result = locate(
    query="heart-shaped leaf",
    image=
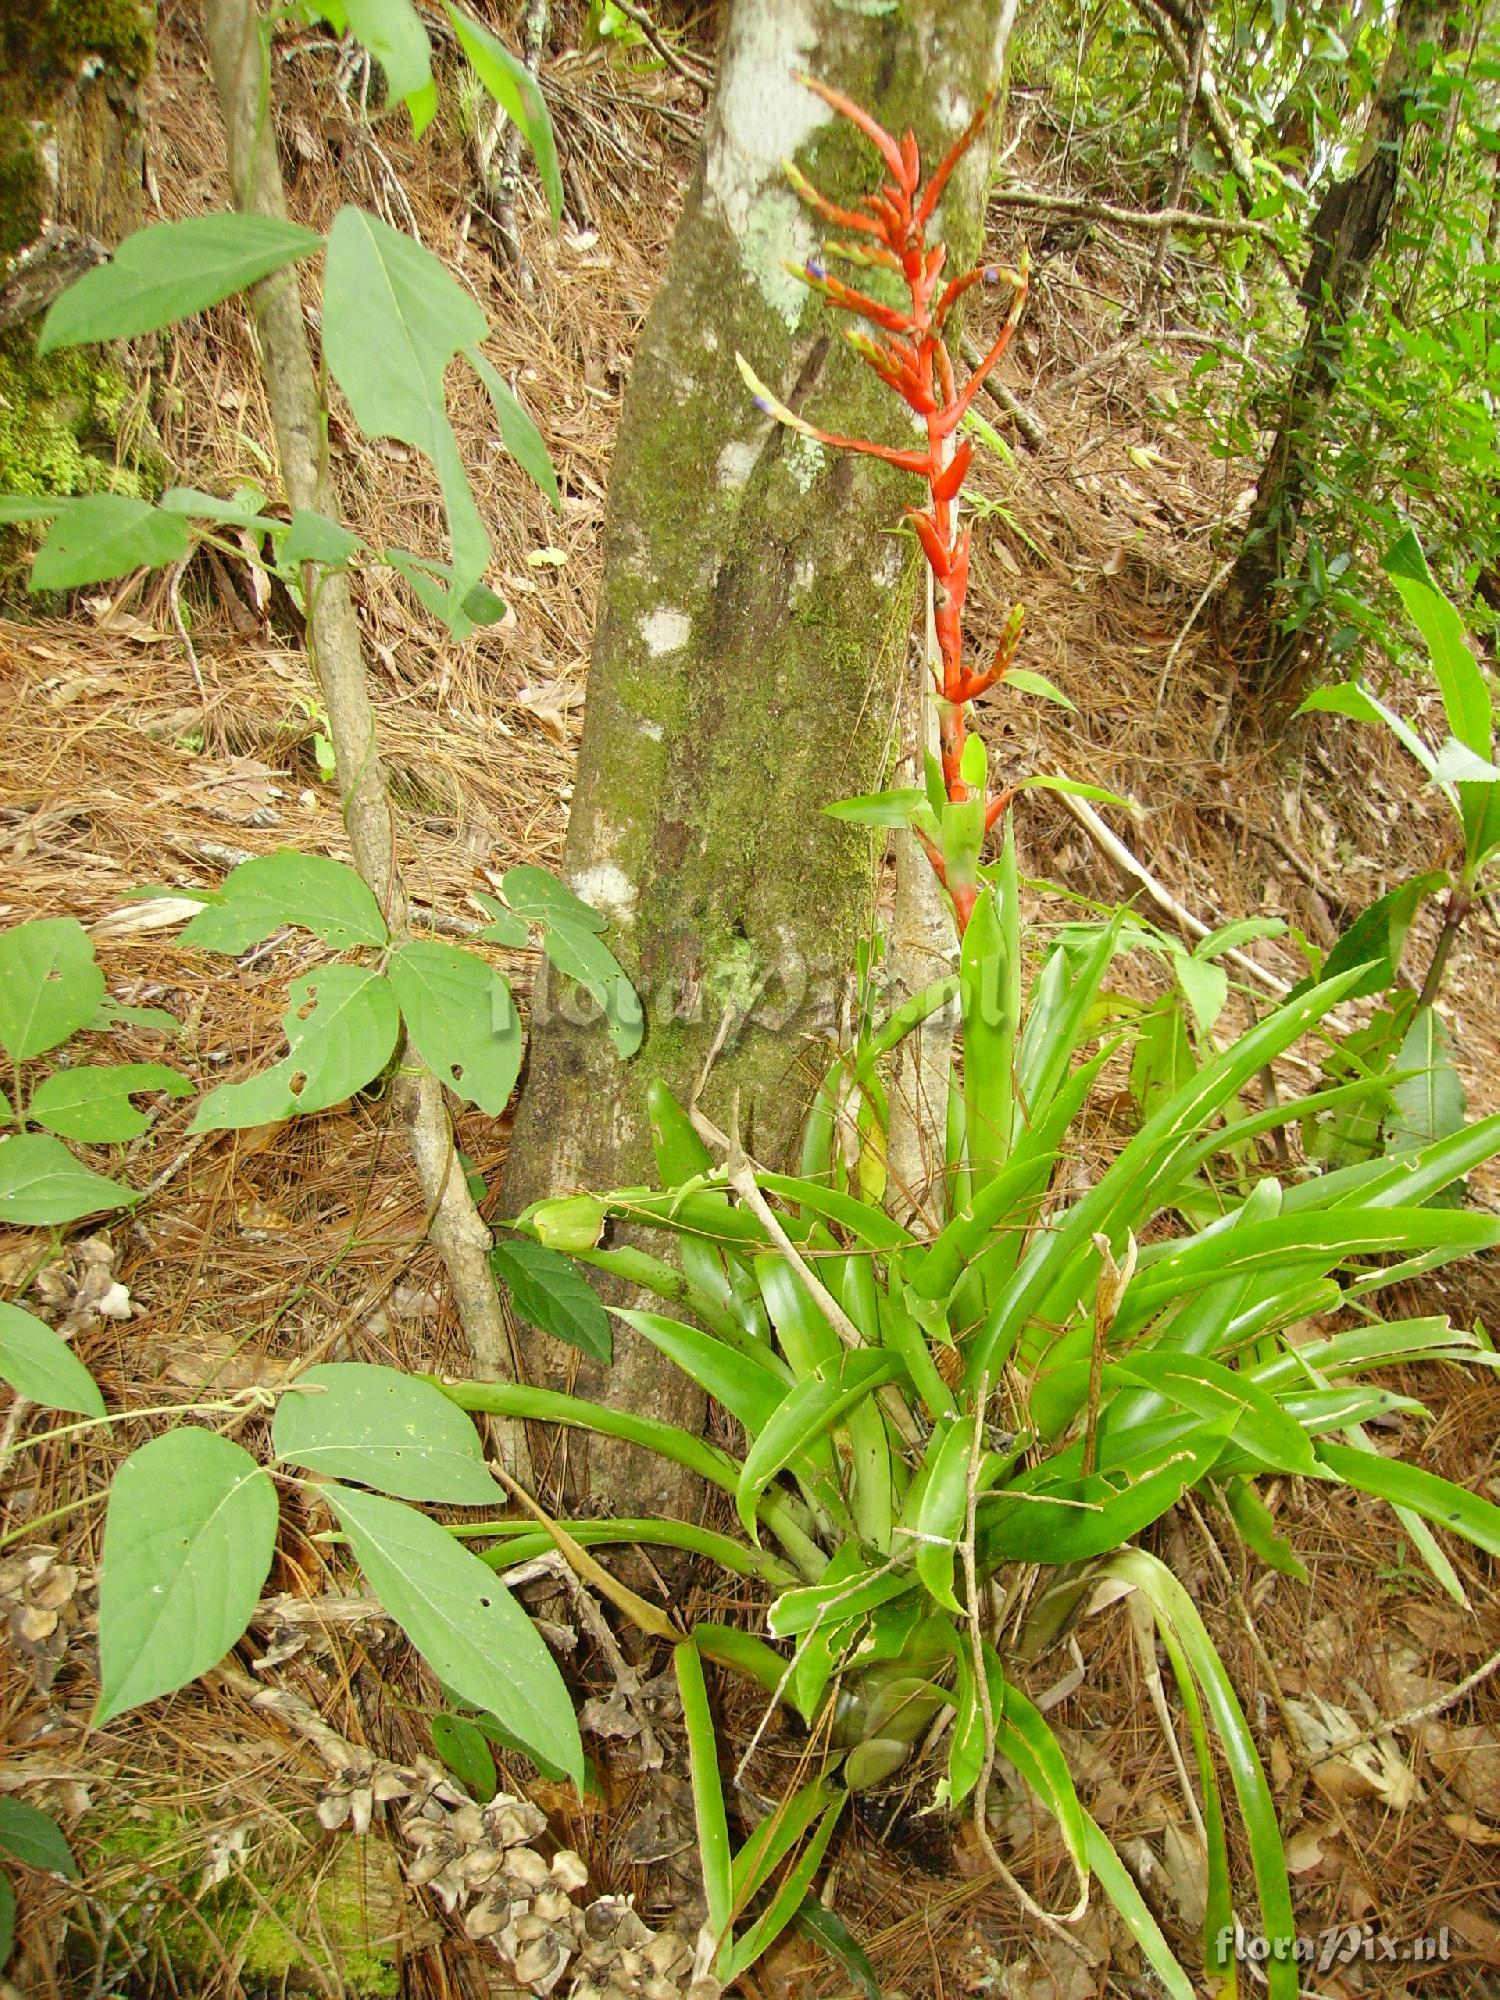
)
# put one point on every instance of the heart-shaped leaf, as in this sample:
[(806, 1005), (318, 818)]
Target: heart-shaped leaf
[(42, 1184), (40, 1365), (92, 1104), (270, 891), (341, 1028), (460, 1014), (50, 987)]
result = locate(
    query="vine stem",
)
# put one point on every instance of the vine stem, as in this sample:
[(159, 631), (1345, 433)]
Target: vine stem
[(237, 45), (1455, 915)]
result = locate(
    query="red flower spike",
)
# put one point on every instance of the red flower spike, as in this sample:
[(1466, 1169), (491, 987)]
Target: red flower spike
[(877, 135), (912, 359), (934, 191)]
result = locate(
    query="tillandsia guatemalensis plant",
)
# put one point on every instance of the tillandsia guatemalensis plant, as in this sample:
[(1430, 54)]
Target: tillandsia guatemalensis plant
[(955, 1429)]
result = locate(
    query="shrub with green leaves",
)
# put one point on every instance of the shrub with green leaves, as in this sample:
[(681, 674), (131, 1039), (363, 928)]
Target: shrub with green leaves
[(51, 991)]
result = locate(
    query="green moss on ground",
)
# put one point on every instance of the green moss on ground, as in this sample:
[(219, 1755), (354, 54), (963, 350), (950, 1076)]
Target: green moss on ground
[(286, 1919)]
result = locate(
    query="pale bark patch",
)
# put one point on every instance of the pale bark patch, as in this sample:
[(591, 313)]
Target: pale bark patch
[(665, 630)]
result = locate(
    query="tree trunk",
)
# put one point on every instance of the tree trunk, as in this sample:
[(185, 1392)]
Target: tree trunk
[(751, 640), (1347, 234)]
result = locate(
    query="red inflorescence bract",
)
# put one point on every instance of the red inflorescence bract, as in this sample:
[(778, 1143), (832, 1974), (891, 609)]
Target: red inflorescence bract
[(906, 350)]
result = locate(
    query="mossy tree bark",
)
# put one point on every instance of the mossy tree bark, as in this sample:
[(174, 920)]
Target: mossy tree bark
[(1347, 234), (71, 168), (750, 648)]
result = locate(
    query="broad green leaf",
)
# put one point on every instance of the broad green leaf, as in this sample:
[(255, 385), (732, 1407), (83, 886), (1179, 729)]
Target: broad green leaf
[(809, 1605), (271, 891), (459, 1013), (1432, 1104), (314, 538), (384, 1429), (40, 1365), (518, 94), (584, 957), (1033, 683), (1377, 937), (542, 898), (1354, 700), (894, 808), (92, 1103), (465, 1624), (1457, 764), (188, 1538), (550, 1292), (750, 1390), (1205, 987), (170, 270), (50, 986), (708, 1793), (506, 926), (106, 535), (394, 317), (518, 433), (21, 509), (243, 511), (464, 1749), (1466, 697), (341, 1029), (41, 1183), (32, 1836), (393, 33)]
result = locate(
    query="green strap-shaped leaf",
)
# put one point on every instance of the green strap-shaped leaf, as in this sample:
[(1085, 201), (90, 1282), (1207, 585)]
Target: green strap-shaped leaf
[(750, 1387), (393, 318), (550, 1292), (1466, 697), (708, 1793), (270, 891), (459, 1013), (1437, 1499), (893, 808), (464, 1623), (34, 1837), (941, 1516), (804, 1415), (163, 273), (188, 1539), (50, 987), (92, 1103), (385, 1429), (40, 1365), (341, 1029), (518, 94), (42, 1184)]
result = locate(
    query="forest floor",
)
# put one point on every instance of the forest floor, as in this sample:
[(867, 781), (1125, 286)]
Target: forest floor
[(160, 737)]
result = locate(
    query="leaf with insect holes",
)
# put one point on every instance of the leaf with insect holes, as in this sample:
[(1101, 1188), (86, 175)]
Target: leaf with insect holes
[(50, 987), (270, 891), (92, 1103), (551, 1293), (341, 1029), (106, 535), (35, 1838), (460, 1014), (40, 1365), (394, 317), (163, 273), (464, 1623), (518, 95), (42, 1184), (583, 957), (188, 1539), (354, 1420)]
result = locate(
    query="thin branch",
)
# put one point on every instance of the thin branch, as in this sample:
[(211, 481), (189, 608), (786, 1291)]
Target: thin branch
[(1150, 220)]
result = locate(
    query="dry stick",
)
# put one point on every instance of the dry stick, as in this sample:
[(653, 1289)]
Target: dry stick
[(670, 56), (1163, 898), (454, 1223), (507, 183), (1033, 430), (1085, 210), (1215, 116), (1218, 577), (1183, 151)]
